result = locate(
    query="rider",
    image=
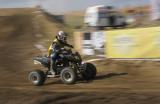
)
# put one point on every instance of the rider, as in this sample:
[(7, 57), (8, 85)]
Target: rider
[(59, 42)]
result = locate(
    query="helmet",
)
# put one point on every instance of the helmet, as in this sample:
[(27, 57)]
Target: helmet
[(62, 36)]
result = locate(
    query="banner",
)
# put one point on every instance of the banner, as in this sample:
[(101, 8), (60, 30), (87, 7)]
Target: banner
[(133, 43)]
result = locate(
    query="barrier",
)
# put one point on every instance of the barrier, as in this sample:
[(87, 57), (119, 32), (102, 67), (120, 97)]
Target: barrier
[(90, 43)]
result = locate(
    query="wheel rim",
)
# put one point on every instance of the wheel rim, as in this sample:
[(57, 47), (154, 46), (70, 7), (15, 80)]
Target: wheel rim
[(34, 79), (67, 76)]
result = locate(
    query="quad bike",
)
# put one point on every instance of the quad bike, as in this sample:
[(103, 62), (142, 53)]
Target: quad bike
[(69, 67)]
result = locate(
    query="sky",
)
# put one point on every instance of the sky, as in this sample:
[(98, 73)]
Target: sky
[(61, 6), (69, 5), (17, 3)]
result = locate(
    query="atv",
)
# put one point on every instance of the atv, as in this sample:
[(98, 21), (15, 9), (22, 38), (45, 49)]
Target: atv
[(69, 67)]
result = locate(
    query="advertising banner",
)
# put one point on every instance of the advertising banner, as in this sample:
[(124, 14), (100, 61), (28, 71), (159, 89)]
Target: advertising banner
[(133, 43)]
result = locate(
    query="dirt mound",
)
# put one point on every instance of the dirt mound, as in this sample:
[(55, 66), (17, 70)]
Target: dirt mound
[(17, 41)]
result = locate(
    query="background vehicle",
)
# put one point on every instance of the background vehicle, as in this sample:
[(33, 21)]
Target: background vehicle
[(69, 67), (104, 16)]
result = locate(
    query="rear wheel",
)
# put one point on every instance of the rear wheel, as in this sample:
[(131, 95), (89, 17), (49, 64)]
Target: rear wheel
[(68, 75), (90, 71), (37, 77)]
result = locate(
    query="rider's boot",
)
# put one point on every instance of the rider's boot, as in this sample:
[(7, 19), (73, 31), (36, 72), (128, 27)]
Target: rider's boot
[(52, 68)]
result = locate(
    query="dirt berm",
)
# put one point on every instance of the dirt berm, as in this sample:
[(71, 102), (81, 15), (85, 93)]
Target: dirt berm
[(117, 82)]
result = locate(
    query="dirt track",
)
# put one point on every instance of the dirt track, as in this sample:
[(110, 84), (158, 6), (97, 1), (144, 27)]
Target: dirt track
[(118, 82)]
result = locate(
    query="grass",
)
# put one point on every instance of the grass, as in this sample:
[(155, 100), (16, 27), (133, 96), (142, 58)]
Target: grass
[(15, 11), (74, 20)]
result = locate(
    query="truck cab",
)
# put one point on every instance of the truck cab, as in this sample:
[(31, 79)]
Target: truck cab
[(103, 16)]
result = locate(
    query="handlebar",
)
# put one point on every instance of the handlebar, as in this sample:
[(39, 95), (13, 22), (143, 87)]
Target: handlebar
[(64, 50)]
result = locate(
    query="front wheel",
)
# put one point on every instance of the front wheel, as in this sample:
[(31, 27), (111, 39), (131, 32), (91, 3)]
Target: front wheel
[(37, 77), (90, 71), (68, 75)]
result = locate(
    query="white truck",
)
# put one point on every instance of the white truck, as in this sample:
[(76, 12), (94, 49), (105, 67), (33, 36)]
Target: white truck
[(103, 16)]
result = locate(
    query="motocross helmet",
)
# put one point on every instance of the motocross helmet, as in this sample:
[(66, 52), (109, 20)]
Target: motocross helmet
[(62, 36)]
